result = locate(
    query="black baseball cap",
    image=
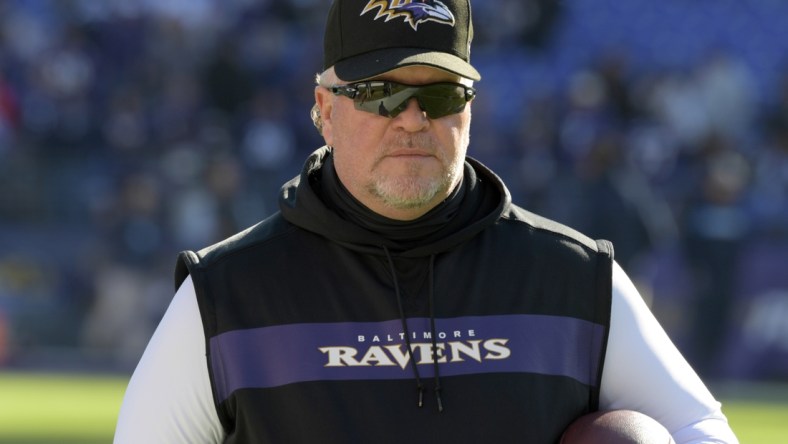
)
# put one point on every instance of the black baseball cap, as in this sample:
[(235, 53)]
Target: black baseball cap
[(366, 38)]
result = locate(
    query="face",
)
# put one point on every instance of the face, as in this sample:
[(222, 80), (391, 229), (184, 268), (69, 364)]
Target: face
[(399, 167)]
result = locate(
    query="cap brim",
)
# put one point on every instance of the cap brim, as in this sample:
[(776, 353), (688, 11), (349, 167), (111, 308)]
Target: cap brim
[(374, 63)]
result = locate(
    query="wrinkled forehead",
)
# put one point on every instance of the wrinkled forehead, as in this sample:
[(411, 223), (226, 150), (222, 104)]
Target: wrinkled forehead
[(411, 75), (419, 75)]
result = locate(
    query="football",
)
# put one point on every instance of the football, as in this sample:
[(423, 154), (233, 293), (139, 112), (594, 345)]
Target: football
[(616, 427)]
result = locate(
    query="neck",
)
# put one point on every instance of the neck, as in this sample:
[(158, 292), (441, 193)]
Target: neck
[(404, 213)]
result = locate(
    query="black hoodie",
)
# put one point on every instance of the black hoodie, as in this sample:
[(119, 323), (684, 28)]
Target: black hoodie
[(478, 322)]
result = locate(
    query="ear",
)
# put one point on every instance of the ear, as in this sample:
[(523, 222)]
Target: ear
[(324, 101)]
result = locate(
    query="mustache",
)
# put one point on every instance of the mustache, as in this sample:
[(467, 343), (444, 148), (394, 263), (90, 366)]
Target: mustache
[(422, 142), (417, 142)]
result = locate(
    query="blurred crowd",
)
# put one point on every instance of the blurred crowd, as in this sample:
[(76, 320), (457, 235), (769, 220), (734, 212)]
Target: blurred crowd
[(131, 130)]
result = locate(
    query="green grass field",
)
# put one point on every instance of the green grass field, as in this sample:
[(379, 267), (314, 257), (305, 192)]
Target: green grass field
[(59, 409), (71, 409), (758, 422)]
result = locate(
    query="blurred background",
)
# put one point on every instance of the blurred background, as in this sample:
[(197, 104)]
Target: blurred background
[(133, 129)]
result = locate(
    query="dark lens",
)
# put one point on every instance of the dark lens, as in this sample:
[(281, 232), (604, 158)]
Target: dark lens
[(441, 100), (397, 100), (388, 99), (371, 91)]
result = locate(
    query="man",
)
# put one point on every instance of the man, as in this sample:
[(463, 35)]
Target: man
[(398, 295)]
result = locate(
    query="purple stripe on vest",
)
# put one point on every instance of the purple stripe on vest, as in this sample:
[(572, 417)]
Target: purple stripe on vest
[(286, 354)]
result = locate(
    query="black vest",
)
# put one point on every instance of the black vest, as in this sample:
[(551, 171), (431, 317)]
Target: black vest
[(305, 343)]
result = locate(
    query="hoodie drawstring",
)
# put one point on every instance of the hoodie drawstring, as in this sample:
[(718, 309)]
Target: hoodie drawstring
[(419, 385), (433, 335)]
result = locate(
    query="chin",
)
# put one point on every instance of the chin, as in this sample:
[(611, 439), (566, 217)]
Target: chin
[(409, 193)]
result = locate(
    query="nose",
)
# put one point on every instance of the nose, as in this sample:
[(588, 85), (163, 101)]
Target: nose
[(412, 118)]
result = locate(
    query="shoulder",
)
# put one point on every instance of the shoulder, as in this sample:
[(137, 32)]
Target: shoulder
[(546, 232), (234, 248)]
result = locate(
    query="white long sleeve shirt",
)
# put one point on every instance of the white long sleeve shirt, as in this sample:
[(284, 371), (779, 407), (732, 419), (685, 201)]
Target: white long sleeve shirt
[(643, 371)]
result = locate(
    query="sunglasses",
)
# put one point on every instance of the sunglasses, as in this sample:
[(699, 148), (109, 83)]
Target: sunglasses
[(388, 99)]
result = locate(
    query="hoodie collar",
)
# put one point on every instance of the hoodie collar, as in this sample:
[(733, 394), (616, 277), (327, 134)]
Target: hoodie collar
[(317, 201)]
